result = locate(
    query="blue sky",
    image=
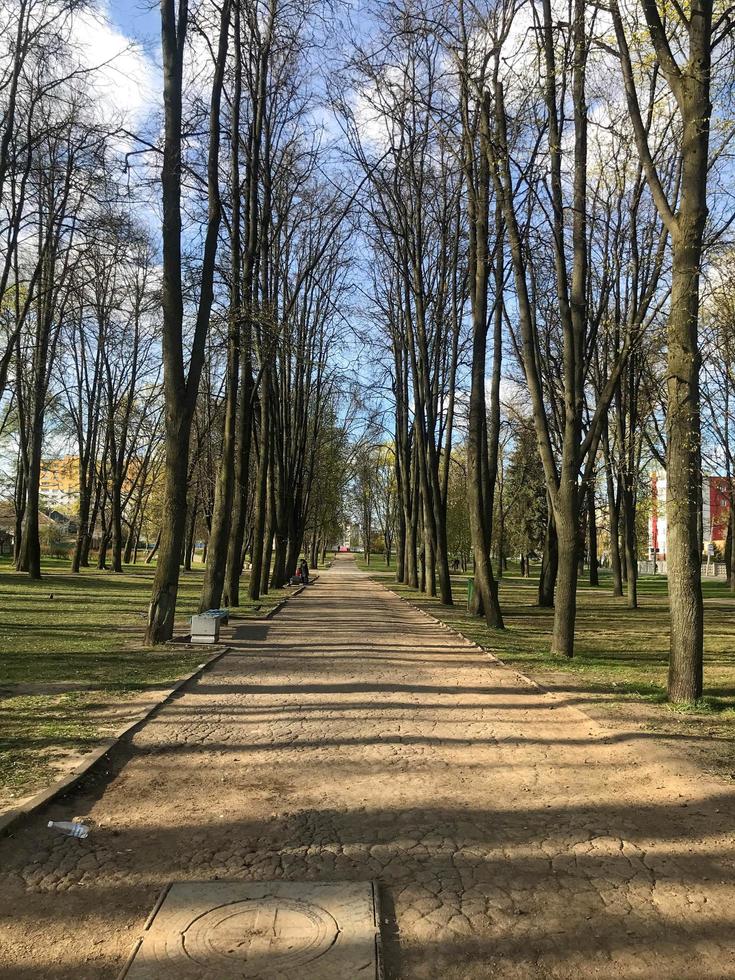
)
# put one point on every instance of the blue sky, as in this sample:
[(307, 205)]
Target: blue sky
[(138, 19)]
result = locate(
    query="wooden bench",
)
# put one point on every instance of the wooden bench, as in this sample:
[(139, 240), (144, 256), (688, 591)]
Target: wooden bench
[(205, 626)]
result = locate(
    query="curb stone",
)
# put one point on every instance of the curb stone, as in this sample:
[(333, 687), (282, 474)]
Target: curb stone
[(471, 643), (27, 808), (554, 695), (277, 608)]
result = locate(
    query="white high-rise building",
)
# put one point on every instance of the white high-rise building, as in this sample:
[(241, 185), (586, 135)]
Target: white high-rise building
[(715, 504)]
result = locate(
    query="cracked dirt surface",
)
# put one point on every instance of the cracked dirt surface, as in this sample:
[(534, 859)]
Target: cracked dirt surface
[(354, 738)]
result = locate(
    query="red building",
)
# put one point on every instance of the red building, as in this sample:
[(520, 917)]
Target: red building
[(715, 512)]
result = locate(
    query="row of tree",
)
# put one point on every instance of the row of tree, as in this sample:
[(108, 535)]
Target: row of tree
[(280, 227), (523, 195), (551, 176), (198, 388)]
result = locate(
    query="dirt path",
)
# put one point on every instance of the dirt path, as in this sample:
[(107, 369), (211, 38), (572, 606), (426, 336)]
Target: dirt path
[(352, 738)]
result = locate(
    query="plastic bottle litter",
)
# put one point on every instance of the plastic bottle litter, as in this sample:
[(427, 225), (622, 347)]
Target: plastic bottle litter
[(72, 828)]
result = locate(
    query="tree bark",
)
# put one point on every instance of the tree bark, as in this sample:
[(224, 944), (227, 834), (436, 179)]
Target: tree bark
[(221, 528), (690, 86), (592, 535), (401, 544), (613, 512), (480, 484), (631, 558), (152, 553), (261, 495), (565, 601), (180, 390), (191, 539)]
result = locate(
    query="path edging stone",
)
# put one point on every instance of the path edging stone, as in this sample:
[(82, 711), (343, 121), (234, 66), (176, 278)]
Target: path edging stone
[(279, 606), (60, 786), (11, 818), (467, 642)]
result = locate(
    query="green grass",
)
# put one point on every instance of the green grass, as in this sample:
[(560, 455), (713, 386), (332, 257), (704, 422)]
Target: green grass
[(621, 654), (70, 648), (36, 729)]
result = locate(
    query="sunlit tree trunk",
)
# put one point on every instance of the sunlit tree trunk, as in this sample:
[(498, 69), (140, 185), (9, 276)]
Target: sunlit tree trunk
[(180, 389)]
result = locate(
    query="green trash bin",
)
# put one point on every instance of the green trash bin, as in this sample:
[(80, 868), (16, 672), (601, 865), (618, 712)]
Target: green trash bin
[(470, 590)]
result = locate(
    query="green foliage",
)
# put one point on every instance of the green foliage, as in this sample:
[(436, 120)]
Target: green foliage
[(524, 495), (459, 540), (55, 542), (327, 509), (644, 504)]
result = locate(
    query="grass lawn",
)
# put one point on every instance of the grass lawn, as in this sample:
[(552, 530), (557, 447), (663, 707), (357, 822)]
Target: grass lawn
[(621, 654), (71, 654)]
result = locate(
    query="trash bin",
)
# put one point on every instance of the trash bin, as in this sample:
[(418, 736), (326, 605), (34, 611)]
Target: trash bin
[(470, 590)]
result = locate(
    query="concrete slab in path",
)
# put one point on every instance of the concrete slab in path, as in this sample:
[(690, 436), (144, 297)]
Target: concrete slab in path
[(273, 930)]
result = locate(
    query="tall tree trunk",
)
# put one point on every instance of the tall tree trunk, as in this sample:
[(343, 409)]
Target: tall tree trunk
[(631, 558), (129, 543), (261, 494), (152, 553), (269, 537), (94, 516), (429, 556), (191, 539), (280, 522), (690, 86), (82, 534), (116, 527), (168, 565), (30, 550), (180, 390), (20, 506), (485, 596), (295, 544), (412, 531), (683, 474), (132, 532), (501, 563), (613, 512), (401, 545), (242, 478), (138, 532), (214, 573), (566, 517), (104, 545), (592, 535), (221, 529)]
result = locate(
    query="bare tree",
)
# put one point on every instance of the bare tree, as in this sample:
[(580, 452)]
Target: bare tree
[(181, 386), (688, 80)]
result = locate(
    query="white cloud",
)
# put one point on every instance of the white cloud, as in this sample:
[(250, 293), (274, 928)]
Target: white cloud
[(126, 82)]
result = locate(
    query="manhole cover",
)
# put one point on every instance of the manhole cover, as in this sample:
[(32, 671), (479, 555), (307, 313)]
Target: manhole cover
[(281, 932), (261, 931)]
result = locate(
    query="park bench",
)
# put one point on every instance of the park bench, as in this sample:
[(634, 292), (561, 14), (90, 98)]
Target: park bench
[(205, 626)]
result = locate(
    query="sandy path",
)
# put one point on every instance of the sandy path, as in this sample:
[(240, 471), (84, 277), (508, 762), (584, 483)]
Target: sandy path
[(352, 738)]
